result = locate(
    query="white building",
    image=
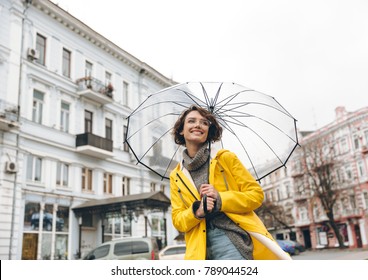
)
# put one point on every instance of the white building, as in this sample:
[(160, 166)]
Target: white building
[(64, 97)]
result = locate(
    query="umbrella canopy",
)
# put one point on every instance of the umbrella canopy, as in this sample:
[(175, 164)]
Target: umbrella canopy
[(255, 126)]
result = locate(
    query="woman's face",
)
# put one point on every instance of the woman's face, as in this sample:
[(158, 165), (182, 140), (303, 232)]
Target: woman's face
[(195, 130)]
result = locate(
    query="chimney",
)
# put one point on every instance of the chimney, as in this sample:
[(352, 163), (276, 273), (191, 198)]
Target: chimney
[(340, 112)]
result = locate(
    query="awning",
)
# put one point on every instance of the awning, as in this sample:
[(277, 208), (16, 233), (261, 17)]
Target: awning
[(154, 201)]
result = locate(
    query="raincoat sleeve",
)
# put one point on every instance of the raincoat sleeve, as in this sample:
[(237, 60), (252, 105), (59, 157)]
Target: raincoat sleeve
[(182, 209), (244, 194)]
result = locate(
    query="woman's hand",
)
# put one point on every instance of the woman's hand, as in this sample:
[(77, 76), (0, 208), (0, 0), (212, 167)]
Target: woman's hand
[(212, 196)]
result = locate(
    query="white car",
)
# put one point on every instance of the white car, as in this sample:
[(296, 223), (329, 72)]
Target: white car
[(172, 252)]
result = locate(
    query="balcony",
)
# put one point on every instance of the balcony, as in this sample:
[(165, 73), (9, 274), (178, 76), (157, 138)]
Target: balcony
[(8, 116), (95, 90), (365, 150), (298, 196), (93, 145), (348, 213)]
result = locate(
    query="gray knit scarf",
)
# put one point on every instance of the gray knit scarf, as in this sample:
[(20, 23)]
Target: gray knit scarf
[(197, 166)]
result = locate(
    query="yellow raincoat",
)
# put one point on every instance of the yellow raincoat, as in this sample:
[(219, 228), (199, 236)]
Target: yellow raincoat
[(240, 194)]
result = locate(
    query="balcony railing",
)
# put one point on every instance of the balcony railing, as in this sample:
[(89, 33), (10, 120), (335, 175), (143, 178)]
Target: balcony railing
[(8, 116), (94, 145), (348, 213), (94, 89)]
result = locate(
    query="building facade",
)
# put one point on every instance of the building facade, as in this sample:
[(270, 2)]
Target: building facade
[(342, 145), (68, 181)]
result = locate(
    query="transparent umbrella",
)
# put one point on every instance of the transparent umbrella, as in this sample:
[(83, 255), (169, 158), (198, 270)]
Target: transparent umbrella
[(256, 127)]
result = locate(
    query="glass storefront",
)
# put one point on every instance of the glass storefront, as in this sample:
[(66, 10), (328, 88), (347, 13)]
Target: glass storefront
[(45, 232)]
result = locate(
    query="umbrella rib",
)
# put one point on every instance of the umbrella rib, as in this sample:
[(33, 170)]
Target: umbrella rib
[(206, 97), (221, 110), (245, 150), (271, 149), (182, 104), (216, 98), (153, 144), (229, 98), (151, 121), (171, 160), (238, 122), (189, 95)]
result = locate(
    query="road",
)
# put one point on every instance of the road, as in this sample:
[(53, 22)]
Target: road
[(333, 254)]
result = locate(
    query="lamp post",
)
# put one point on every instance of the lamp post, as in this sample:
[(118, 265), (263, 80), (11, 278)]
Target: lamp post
[(79, 254), (130, 215)]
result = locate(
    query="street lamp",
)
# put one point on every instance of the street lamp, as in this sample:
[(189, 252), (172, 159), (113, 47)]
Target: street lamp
[(130, 215), (80, 223)]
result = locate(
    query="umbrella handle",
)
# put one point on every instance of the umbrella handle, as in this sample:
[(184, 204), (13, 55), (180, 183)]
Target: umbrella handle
[(204, 201)]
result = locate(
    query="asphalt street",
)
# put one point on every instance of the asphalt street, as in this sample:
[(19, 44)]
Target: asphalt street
[(333, 254)]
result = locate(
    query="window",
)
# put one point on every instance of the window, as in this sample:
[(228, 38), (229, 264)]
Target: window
[(125, 186), (87, 220), (344, 145), (37, 106), (125, 131), (162, 188), (352, 201), (34, 167), (153, 186), (88, 121), (107, 183), (125, 97), (100, 252), (278, 196), (356, 143), (108, 129), (64, 116), (316, 211), (88, 69), (348, 172), (41, 48), (366, 137), (361, 169), (66, 62), (157, 148), (303, 214), (288, 191), (62, 174), (86, 179), (48, 223), (365, 195), (107, 78)]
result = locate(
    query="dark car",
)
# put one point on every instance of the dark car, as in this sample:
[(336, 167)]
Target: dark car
[(299, 247), (288, 247), (47, 222)]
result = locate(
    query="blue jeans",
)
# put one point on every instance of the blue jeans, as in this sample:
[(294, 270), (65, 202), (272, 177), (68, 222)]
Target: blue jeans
[(220, 247)]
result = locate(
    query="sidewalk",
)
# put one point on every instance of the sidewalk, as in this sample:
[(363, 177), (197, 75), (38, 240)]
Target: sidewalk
[(333, 254)]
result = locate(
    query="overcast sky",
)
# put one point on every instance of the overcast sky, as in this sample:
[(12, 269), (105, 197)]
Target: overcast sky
[(311, 55)]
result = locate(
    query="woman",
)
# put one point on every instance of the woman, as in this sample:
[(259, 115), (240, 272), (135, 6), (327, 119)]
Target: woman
[(213, 196)]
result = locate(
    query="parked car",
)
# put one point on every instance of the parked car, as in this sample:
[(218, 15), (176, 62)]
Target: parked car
[(299, 247), (128, 248), (173, 252), (286, 246), (47, 222)]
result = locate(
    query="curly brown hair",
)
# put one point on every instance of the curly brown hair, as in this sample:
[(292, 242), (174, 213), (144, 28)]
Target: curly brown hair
[(214, 131)]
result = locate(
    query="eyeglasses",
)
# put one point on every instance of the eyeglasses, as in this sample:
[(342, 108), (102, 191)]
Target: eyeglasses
[(202, 122)]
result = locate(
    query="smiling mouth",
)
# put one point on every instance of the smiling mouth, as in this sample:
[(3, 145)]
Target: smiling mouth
[(197, 131)]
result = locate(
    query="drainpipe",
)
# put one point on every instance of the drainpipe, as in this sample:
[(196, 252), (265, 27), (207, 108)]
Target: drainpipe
[(12, 225), (140, 100)]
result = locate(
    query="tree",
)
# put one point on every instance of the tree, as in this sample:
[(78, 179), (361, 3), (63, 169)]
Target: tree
[(274, 216), (319, 162)]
